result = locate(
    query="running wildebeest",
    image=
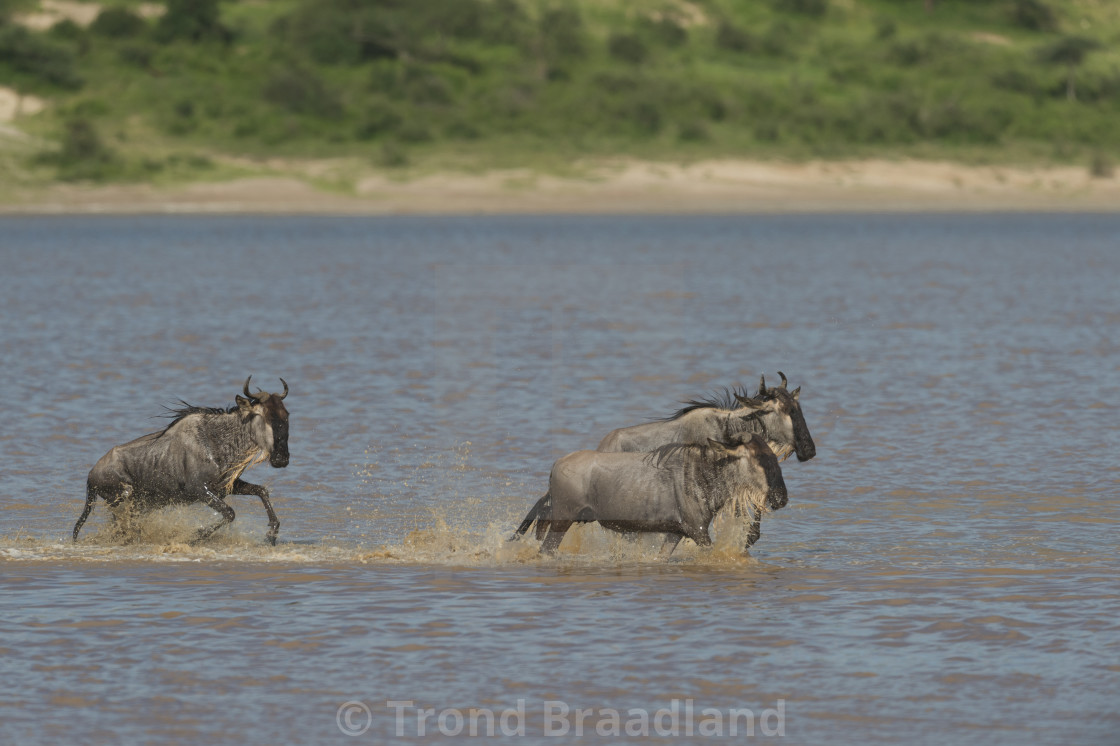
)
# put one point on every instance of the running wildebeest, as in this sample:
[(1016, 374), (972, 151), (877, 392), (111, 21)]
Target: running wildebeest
[(676, 489), (199, 457), (774, 413)]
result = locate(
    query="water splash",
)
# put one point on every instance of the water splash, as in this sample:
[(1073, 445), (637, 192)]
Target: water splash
[(164, 537)]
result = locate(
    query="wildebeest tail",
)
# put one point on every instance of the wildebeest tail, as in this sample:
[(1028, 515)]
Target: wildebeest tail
[(91, 498), (539, 511)]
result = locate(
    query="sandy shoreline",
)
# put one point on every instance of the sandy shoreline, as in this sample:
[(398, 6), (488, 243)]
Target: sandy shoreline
[(724, 186)]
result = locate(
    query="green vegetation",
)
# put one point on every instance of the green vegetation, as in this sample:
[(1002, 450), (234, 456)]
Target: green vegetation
[(478, 83)]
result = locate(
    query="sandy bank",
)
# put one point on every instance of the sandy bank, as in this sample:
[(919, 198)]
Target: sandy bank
[(623, 187)]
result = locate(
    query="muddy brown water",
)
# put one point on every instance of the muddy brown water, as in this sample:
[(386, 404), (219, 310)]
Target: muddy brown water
[(945, 572)]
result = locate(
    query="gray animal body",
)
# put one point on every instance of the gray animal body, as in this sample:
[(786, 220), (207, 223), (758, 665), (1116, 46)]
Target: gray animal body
[(199, 457), (774, 414), (676, 489)]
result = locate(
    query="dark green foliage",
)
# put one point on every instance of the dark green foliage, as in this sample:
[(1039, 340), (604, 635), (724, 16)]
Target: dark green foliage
[(562, 34), (83, 155), (426, 87), (1034, 15), (67, 30), (665, 30), (1069, 50), (38, 57), (645, 116), (734, 39), (462, 129), (1017, 80), (300, 91), (627, 48), (953, 121), (137, 54), (414, 131), (352, 32), (183, 119), (804, 7), (402, 79), (192, 20), (506, 22), (118, 23), (377, 120), (885, 29), (694, 131)]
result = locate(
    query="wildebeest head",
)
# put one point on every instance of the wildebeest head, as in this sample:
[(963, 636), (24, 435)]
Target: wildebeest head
[(268, 421), (779, 411), (756, 463)]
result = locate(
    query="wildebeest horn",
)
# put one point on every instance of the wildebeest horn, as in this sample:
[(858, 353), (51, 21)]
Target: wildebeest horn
[(784, 381), (285, 389), (245, 390), (762, 385)]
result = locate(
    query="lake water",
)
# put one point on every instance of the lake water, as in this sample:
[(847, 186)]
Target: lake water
[(946, 570)]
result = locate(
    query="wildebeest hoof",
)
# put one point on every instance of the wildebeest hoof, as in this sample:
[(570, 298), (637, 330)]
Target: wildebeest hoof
[(271, 539)]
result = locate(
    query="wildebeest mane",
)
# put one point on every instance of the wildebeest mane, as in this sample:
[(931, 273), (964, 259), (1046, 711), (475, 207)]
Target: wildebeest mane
[(659, 456), (717, 400), (177, 414)]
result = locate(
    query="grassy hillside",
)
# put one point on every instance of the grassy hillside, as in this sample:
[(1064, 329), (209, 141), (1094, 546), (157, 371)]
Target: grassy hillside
[(170, 92)]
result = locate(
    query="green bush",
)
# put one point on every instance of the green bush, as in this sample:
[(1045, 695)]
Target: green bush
[(183, 118), (664, 30), (1034, 15), (192, 20), (414, 131), (137, 54), (1017, 80), (378, 120), (118, 23), (804, 7), (68, 31), (38, 57), (628, 48), (83, 155), (301, 91), (735, 39), (506, 22), (563, 37), (694, 131)]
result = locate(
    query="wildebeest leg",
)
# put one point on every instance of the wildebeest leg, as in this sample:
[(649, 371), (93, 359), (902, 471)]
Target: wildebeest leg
[(754, 533), (669, 544), (215, 503), (556, 531), (245, 488), (124, 511)]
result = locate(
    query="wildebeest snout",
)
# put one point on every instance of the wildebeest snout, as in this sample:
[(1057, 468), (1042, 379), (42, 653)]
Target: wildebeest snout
[(776, 495)]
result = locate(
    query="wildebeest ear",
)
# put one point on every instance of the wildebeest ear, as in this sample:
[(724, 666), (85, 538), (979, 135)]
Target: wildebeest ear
[(748, 403), (795, 393), (243, 405), (761, 385)]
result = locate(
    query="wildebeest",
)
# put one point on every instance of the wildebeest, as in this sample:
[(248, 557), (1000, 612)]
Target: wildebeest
[(199, 457), (774, 413), (676, 489)]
